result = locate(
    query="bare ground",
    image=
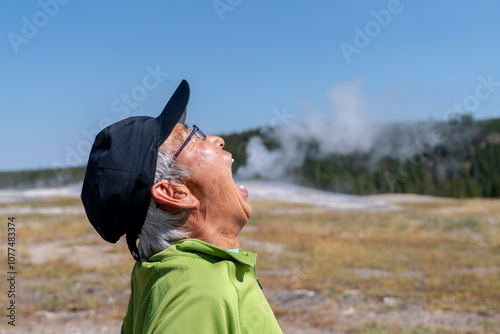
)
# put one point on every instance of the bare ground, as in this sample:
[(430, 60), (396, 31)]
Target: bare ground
[(298, 310)]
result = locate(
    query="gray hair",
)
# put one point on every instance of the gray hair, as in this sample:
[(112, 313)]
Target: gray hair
[(162, 228)]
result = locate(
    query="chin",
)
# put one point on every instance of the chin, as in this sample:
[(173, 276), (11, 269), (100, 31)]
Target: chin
[(246, 213)]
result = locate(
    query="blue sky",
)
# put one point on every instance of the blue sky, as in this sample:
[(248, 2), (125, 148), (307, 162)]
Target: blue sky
[(67, 67)]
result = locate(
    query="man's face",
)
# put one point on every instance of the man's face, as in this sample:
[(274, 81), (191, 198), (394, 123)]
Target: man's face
[(211, 180)]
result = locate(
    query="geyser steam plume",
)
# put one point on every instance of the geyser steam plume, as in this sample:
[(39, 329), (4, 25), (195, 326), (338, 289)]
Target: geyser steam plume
[(342, 129)]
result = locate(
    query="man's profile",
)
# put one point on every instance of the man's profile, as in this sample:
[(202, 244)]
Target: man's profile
[(169, 189)]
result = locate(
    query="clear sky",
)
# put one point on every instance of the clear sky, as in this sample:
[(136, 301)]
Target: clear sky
[(70, 67)]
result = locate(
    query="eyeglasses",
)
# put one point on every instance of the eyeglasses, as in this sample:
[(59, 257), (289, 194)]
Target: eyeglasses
[(196, 131)]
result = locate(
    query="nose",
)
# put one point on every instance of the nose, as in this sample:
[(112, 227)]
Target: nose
[(217, 141)]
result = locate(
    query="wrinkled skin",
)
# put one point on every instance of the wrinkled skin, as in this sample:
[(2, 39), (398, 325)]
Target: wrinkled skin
[(218, 208)]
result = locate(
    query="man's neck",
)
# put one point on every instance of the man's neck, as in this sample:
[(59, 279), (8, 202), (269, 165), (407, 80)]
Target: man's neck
[(222, 233)]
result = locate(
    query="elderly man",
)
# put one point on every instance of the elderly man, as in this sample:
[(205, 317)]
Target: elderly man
[(169, 189)]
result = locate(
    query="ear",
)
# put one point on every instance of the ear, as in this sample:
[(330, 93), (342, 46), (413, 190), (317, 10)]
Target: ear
[(173, 194)]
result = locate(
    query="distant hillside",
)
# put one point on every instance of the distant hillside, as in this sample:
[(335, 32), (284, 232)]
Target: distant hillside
[(465, 162), (43, 178)]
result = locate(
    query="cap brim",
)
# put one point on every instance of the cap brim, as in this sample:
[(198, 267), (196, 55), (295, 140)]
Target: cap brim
[(175, 111)]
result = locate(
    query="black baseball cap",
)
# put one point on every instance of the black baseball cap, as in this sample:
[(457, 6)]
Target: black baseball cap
[(121, 169)]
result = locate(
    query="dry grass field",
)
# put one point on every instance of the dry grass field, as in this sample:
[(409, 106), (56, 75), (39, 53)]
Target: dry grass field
[(431, 267)]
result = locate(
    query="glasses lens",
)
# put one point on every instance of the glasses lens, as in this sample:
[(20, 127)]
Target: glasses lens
[(200, 134)]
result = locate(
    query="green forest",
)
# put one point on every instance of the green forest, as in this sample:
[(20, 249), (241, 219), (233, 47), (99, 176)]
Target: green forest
[(41, 178), (465, 163)]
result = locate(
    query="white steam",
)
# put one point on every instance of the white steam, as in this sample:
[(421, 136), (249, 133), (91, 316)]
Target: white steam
[(341, 129)]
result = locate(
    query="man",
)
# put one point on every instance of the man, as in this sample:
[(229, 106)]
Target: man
[(171, 189)]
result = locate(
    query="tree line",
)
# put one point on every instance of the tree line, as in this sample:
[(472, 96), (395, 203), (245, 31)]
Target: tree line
[(465, 163)]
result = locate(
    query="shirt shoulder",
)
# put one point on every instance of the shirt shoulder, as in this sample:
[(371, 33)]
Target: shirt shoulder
[(195, 294), (195, 274)]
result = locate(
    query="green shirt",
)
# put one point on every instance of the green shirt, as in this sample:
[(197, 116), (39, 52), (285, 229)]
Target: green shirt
[(195, 287)]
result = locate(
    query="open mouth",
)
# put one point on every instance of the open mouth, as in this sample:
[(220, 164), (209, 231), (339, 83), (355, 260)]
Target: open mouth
[(241, 189), (243, 192)]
